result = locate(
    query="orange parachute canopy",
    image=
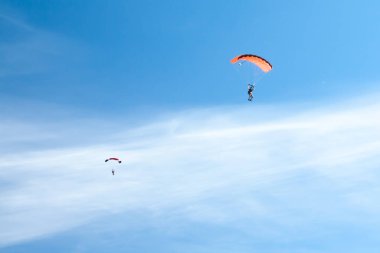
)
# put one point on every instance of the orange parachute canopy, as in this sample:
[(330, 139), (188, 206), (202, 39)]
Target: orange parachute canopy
[(260, 62)]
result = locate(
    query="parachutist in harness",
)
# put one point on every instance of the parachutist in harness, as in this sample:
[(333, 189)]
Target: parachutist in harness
[(251, 88), (113, 159), (258, 63)]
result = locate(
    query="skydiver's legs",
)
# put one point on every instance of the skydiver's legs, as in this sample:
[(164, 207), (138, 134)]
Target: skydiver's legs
[(250, 96)]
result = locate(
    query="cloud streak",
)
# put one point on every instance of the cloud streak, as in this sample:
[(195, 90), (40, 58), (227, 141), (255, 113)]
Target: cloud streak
[(218, 166), (30, 50)]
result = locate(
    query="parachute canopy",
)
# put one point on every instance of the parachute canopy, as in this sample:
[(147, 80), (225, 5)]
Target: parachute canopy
[(113, 159), (260, 62)]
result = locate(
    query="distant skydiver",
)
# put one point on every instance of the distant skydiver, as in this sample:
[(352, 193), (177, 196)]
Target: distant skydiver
[(113, 159), (251, 88)]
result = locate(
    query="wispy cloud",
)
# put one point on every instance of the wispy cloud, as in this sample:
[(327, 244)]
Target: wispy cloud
[(28, 49), (222, 166), (17, 22)]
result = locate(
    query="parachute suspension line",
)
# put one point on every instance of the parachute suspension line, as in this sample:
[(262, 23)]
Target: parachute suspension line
[(257, 75), (248, 73), (242, 75)]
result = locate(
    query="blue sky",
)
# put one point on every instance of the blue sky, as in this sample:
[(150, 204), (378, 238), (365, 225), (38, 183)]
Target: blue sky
[(204, 170)]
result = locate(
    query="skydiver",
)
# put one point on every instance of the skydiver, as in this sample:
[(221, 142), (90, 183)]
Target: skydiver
[(113, 172), (251, 88)]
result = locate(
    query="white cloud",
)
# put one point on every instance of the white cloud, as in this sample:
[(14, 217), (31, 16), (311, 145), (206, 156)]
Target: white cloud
[(220, 165)]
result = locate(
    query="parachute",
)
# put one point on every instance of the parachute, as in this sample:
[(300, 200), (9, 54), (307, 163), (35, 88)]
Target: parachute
[(113, 159), (252, 72), (260, 62)]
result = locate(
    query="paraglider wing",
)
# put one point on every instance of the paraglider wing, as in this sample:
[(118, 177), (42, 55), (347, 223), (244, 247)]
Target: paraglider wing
[(113, 159), (260, 62)]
